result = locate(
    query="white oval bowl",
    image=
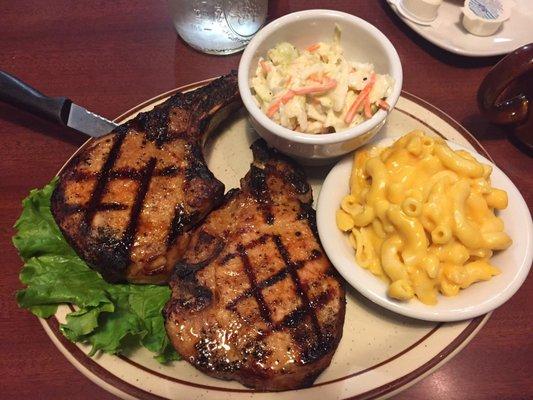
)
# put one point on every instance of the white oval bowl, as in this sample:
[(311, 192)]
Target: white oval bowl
[(478, 299), (361, 41)]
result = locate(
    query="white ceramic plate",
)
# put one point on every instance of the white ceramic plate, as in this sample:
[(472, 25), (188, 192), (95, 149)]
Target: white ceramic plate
[(479, 299), (380, 353), (447, 30)]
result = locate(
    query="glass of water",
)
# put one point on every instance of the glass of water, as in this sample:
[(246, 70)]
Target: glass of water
[(218, 26)]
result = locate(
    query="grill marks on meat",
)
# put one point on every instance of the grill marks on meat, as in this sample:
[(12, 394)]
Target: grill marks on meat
[(128, 200), (255, 298)]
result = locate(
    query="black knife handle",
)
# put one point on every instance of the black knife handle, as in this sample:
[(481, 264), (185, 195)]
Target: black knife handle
[(15, 92)]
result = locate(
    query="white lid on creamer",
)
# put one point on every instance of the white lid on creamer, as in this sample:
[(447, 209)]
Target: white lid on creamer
[(484, 17), (424, 10)]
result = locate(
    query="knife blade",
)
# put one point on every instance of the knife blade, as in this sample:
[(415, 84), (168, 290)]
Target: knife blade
[(57, 109), (88, 122)]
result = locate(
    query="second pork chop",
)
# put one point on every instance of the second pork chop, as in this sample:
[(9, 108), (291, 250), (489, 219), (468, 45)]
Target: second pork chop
[(255, 298)]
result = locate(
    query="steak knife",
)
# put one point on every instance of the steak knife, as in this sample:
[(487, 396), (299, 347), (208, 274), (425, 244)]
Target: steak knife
[(56, 109)]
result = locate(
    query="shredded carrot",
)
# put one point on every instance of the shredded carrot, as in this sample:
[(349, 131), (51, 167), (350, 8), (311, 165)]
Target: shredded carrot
[(276, 104), (368, 111), (330, 84), (288, 81), (383, 105), (274, 107), (315, 77), (313, 47), (359, 99), (287, 96), (265, 66)]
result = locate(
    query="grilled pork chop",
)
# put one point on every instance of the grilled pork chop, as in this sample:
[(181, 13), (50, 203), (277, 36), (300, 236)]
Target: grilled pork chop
[(255, 298), (127, 201)]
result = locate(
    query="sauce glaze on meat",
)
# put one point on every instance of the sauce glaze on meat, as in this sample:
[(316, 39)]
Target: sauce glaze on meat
[(255, 299)]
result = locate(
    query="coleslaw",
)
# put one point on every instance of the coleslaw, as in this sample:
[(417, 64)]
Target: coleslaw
[(316, 90)]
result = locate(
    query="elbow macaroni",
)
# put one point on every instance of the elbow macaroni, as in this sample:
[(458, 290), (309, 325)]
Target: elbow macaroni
[(421, 216)]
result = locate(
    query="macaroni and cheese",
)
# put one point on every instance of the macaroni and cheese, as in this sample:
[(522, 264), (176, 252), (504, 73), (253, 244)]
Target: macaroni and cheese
[(421, 216)]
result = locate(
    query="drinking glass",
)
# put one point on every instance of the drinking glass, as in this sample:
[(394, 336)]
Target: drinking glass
[(218, 26)]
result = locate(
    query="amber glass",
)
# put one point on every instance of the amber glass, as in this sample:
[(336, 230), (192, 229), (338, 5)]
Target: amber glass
[(506, 94)]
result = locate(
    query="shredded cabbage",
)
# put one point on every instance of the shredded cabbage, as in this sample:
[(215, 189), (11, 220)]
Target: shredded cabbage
[(316, 90)]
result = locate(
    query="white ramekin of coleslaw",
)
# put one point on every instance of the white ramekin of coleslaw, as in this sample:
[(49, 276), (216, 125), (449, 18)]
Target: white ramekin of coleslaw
[(319, 83)]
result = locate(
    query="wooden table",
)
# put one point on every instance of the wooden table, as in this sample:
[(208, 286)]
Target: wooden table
[(112, 55)]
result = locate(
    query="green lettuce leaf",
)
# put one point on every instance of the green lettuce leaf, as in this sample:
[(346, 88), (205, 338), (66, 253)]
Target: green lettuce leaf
[(111, 318), (37, 232)]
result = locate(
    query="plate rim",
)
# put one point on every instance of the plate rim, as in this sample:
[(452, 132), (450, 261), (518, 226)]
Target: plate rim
[(114, 384)]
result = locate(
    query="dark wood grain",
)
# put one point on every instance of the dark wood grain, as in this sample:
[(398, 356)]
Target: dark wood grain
[(112, 55)]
